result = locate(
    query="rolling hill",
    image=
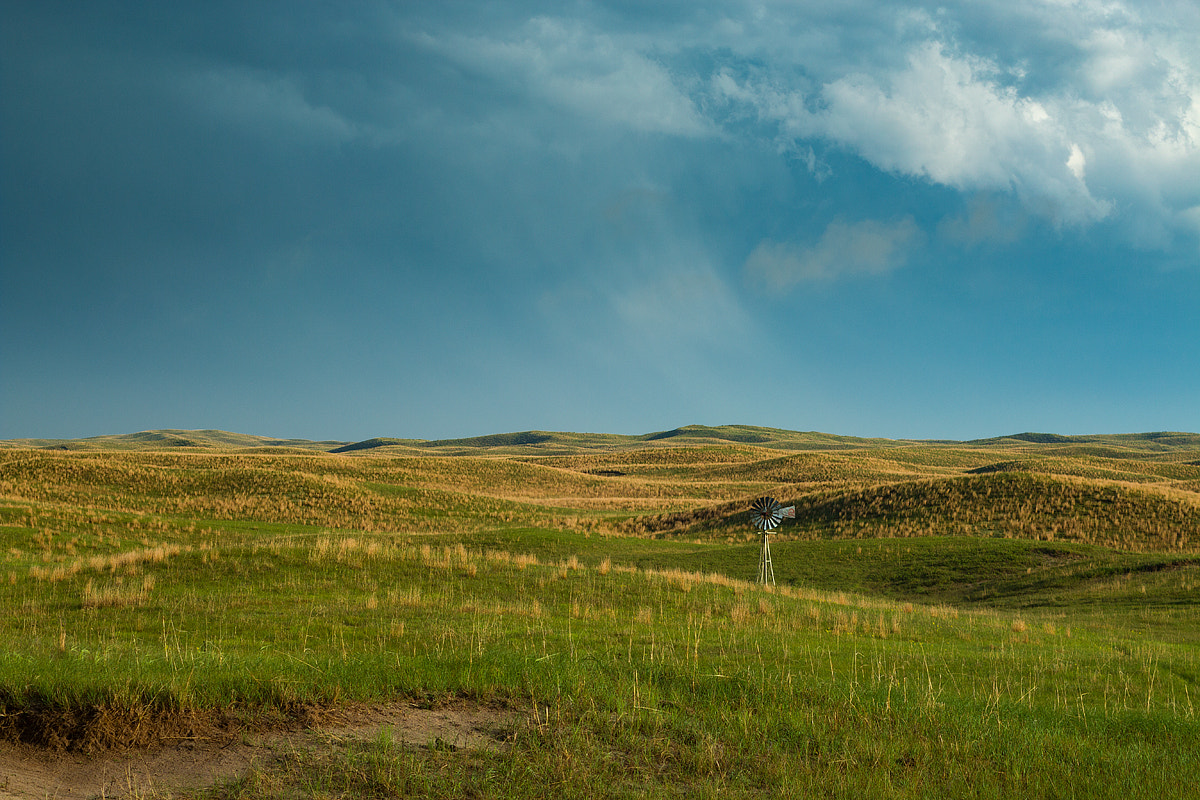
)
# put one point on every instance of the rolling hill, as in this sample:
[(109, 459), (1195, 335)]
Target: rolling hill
[(1136, 492), (550, 442)]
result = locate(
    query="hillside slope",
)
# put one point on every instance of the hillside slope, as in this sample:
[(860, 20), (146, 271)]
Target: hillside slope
[(170, 439), (534, 442)]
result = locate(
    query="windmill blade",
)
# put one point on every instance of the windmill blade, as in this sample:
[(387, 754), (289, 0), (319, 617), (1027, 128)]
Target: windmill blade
[(763, 513), (766, 513), (763, 504)]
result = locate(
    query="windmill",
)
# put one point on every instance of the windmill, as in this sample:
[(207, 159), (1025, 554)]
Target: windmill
[(766, 513)]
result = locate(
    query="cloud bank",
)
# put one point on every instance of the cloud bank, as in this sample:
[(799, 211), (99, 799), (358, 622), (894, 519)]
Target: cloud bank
[(1082, 111)]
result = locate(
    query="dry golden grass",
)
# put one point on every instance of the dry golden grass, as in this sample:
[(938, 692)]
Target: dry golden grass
[(127, 562), (117, 592), (1114, 497)]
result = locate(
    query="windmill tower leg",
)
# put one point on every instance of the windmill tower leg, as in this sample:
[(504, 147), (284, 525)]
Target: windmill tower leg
[(766, 571)]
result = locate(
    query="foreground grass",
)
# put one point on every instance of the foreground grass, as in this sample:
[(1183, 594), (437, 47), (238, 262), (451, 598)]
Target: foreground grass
[(147, 591), (825, 749), (636, 682)]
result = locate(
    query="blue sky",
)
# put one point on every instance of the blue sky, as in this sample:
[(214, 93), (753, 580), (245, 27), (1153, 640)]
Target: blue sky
[(428, 220)]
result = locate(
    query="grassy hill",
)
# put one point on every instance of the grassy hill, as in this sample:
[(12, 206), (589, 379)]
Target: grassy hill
[(550, 442), (1136, 492), (162, 439), (1010, 617), (1162, 441)]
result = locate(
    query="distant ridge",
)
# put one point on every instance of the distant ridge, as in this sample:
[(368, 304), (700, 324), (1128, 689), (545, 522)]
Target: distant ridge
[(495, 440), (557, 443), (371, 444), (172, 438), (553, 443), (1046, 438), (731, 433), (549, 442), (1152, 440)]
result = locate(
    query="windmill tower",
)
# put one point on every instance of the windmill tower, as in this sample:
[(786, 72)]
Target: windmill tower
[(766, 513)]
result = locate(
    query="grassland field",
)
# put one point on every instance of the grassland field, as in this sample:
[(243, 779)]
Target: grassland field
[(1013, 617)]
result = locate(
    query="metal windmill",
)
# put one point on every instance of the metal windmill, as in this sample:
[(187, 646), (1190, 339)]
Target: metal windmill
[(766, 513)]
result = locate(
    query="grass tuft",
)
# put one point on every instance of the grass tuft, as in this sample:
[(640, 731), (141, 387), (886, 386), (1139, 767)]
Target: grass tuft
[(1004, 619)]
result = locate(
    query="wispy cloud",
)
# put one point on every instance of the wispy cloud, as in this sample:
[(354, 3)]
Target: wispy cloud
[(264, 105), (845, 249), (682, 309), (988, 218), (601, 78)]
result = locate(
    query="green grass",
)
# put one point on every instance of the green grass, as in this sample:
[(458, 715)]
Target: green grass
[(149, 591)]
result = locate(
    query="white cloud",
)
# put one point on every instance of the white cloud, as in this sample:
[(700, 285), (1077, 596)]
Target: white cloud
[(1082, 110), (1097, 119), (844, 249), (948, 119), (1076, 162)]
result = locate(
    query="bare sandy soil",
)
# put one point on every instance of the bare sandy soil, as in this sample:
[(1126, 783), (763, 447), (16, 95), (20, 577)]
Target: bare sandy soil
[(32, 772)]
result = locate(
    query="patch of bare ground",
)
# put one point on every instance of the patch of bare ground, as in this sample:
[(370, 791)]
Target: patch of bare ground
[(220, 753)]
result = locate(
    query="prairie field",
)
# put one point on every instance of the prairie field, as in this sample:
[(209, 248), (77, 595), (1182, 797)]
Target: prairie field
[(1014, 617)]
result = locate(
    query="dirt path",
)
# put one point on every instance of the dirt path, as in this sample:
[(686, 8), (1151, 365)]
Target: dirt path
[(31, 772)]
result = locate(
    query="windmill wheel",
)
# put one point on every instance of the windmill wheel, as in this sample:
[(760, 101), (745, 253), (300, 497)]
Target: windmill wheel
[(766, 513)]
